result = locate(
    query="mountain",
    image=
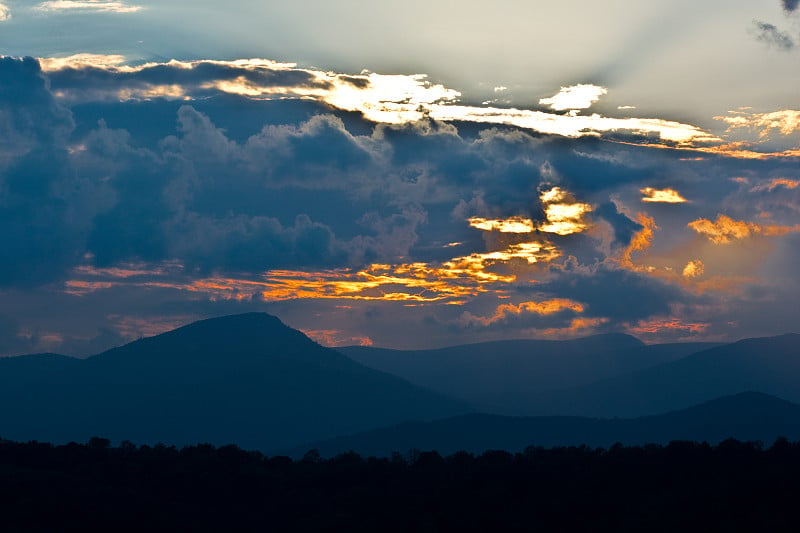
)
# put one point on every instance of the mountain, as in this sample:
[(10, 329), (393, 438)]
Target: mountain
[(745, 416), (770, 365), (505, 377), (245, 379)]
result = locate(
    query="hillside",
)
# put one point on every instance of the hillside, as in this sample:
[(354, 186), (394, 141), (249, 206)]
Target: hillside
[(505, 377), (244, 379)]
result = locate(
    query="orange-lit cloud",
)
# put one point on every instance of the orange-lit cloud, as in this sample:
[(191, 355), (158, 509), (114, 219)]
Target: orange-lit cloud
[(448, 282), (509, 225), (127, 270), (564, 215), (669, 196), (334, 338), (776, 183), (640, 242), (577, 326), (669, 325), (693, 269), (725, 229), (738, 150), (546, 307)]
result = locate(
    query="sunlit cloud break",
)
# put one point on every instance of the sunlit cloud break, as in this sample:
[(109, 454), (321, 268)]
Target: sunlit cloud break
[(667, 196), (87, 5), (5, 13), (380, 98), (509, 225), (575, 97)]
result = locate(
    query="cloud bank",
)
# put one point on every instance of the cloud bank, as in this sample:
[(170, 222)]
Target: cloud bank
[(139, 196)]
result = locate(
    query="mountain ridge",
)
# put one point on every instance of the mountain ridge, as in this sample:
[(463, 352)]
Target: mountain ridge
[(745, 416), (248, 379)]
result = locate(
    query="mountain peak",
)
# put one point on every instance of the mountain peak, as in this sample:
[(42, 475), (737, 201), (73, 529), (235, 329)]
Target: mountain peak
[(242, 336)]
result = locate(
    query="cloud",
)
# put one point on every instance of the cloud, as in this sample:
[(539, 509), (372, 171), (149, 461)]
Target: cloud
[(620, 296), (527, 312), (725, 230), (775, 183), (785, 121), (380, 98), (111, 189), (790, 5), (669, 196), (335, 338), (574, 97), (693, 269), (99, 6), (509, 225), (564, 215), (5, 12), (770, 34)]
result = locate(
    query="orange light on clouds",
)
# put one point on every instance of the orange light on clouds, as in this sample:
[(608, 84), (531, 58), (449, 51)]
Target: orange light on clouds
[(670, 324), (776, 183), (577, 326), (725, 230), (693, 269), (509, 225), (334, 338), (564, 215), (669, 196), (503, 311)]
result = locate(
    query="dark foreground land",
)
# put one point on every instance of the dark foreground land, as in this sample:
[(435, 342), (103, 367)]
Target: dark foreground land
[(684, 486)]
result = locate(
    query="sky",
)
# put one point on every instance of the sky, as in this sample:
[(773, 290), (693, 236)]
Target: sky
[(405, 175)]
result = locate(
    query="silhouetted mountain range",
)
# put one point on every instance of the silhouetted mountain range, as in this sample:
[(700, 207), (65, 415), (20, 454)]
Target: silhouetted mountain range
[(770, 365), (746, 416), (251, 380), (245, 379), (507, 377)]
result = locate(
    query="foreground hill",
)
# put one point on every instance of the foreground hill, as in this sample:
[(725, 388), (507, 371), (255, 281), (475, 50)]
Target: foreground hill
[(747, 416), (770, 365), (505, 376), (245, 379)]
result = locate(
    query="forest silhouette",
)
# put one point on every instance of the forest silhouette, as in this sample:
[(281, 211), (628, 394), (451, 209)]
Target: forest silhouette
[(683, 486)]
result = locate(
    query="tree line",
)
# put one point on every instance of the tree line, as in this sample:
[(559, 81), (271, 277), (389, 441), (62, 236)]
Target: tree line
[(687, 486)]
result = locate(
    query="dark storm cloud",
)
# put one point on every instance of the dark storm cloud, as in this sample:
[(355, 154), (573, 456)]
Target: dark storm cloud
[(43, 215), (772, 36), (619, 295)]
